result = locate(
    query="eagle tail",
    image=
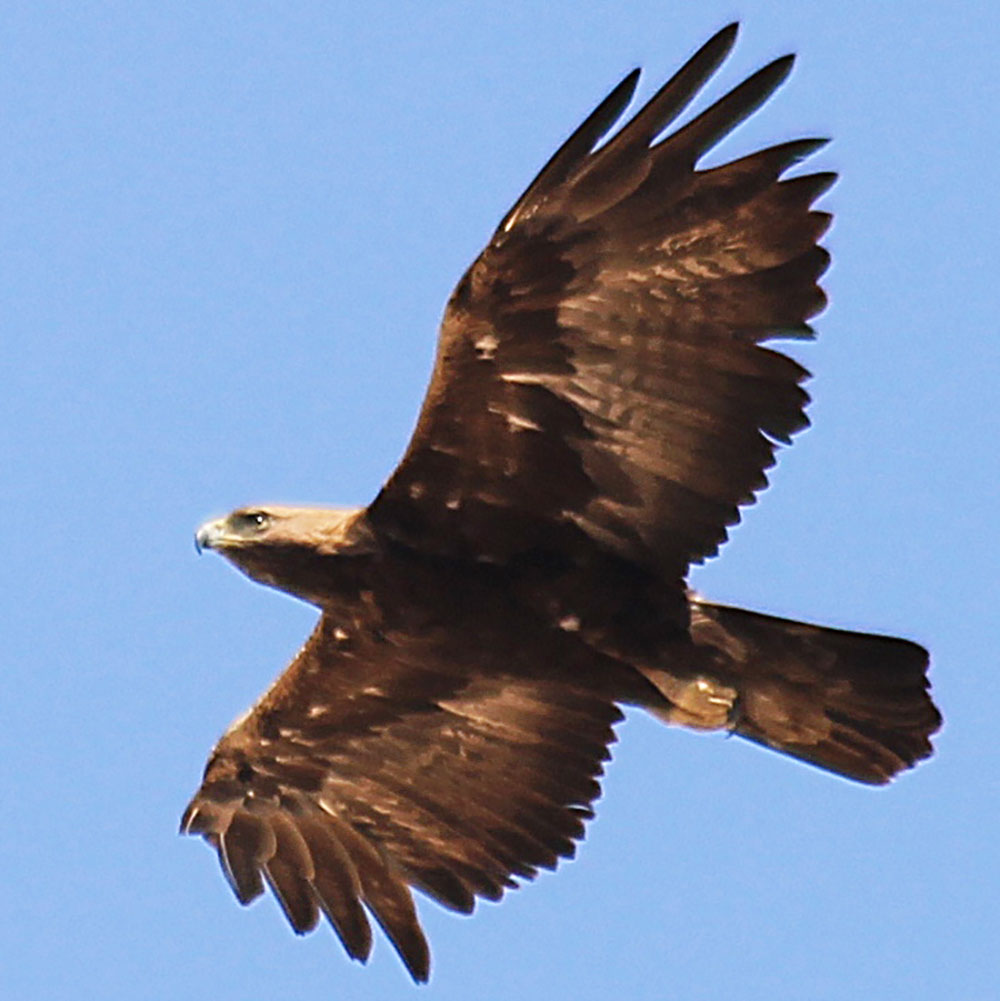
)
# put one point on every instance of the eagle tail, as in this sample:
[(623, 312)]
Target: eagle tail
[(853, 703)]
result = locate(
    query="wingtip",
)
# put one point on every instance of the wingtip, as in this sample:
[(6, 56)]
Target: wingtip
[(730, 32), (809, 146), (781, 67), (724, 39), (626, 89), (720, 44), (416, 958)]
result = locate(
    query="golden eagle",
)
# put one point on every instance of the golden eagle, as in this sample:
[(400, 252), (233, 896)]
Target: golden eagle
[(600, 407)]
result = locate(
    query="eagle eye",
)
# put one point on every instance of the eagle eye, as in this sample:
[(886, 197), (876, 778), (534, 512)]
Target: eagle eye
[(250, 521)]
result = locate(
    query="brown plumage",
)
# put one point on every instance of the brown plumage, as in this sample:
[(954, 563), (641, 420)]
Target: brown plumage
[(600, 407)]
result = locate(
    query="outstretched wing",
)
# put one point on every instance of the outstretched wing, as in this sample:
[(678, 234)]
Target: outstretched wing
[(345, 787), (599, 375)]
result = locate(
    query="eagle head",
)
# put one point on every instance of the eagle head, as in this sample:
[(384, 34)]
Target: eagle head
[(290, 548)]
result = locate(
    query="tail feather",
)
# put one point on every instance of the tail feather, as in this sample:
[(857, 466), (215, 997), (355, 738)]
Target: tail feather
[(853, 703)]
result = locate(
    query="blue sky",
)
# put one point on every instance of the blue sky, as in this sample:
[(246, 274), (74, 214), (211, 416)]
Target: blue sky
[(228, 233)]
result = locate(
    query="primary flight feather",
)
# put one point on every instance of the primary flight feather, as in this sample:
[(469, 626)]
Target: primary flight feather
[(601, 405)]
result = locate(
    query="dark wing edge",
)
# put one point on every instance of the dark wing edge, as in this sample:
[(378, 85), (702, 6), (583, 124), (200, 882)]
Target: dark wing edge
[(600, 376), (342, 794)]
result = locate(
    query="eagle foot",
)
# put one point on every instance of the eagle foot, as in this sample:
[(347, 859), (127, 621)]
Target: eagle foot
[(701, 703)]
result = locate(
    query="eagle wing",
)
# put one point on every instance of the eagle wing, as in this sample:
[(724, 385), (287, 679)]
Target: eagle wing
[(599, 375), (345, 787)]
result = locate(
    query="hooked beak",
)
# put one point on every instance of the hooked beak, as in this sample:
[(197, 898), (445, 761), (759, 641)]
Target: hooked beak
[(210, 535)]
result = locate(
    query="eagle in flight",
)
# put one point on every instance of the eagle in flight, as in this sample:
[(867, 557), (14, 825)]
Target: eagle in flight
[(601, 405)]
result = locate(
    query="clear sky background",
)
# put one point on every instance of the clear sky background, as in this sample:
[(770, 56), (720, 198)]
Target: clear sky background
[(228, 230)]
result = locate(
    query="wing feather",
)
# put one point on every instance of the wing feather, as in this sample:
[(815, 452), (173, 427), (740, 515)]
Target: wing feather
[(385, 894), (690, 143), (673, 97), (245, 845), (343, 789), (336, 884), (599, 379), (290, 873), (579, 144)]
